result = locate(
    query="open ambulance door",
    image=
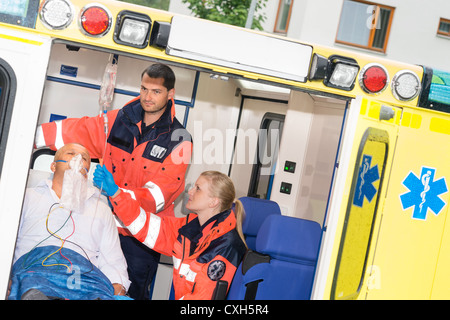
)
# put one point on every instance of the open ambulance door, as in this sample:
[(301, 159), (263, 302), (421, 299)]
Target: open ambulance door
[(23, 66), (355, 210)]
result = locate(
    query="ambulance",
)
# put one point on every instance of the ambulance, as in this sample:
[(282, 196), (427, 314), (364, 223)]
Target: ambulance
[(356, 145)]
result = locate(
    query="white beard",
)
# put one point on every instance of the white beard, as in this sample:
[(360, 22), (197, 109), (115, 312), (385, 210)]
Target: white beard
[(74, 189)]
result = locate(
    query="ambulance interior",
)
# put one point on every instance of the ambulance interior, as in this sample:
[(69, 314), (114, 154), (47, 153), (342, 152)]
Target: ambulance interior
[(232, 120)]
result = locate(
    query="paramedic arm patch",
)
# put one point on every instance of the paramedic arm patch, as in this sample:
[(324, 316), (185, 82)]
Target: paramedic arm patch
[(216, 270)]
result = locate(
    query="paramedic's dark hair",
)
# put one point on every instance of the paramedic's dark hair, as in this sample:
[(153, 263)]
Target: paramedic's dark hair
[(159, 70)]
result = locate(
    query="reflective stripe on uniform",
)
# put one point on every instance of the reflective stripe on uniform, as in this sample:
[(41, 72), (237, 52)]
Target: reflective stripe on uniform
[(39, 141), (185, 270), (133, 196), (157, 194), (138, 223), (176, 262), (119, 223), (153, 227), (153, 231), (59, 142)]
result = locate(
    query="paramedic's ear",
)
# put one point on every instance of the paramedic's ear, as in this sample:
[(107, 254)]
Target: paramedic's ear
[(53, 166), (214, 202), (171, 93)]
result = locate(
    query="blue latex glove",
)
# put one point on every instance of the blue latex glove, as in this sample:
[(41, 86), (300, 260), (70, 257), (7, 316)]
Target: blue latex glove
[(103, 179)]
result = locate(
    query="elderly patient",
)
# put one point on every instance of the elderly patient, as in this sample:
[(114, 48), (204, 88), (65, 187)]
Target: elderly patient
[(68, 245)]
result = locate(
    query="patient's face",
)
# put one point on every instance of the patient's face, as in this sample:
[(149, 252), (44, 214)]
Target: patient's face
[(66, 154), (74, 171)]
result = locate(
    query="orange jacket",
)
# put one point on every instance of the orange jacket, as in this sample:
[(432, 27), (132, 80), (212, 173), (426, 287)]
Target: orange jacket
[(202, 255), (149, 167)]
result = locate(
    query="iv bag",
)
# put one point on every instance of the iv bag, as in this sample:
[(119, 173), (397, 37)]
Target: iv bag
[(107, 87)]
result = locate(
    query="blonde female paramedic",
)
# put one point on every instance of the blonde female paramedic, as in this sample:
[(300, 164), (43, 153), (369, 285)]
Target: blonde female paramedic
[(206, 246)]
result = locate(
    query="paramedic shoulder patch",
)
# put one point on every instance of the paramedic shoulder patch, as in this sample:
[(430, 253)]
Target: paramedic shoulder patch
[(216, 270), (158, 151)]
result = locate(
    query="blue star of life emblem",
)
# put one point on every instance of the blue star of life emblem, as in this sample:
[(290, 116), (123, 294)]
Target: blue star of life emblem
[(423, 193), (364, 185)]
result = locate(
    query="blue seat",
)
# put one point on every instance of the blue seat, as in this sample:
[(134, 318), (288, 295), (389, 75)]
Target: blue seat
[(283, 266), (256, 211)]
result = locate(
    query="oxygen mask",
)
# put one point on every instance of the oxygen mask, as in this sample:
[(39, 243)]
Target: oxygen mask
[(74, 189)]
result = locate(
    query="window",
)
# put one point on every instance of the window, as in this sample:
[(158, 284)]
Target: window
[(361, 214), (365, 25), (266, 156), (283, 16), (444, 27)]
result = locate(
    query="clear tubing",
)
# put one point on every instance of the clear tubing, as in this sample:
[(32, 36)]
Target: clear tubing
[(105, 99)]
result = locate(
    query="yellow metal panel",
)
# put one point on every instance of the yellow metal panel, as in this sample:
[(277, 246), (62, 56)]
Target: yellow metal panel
[(440, 125), (409, 245), (406, 119), (416, 121), (441, 284), (345, 286), (441, 281), (374, 110)]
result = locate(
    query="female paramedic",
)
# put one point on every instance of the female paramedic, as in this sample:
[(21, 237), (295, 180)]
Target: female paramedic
[(206, 246)]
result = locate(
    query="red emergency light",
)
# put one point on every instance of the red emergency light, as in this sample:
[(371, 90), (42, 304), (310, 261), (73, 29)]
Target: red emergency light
[(95, 20), (373, 78)]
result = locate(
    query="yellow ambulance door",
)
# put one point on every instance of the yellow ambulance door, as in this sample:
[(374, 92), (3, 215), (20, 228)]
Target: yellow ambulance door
[(357, 199), (412, 259)]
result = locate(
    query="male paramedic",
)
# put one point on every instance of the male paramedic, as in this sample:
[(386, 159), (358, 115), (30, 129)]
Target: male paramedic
[(68, 246), (146, 149)]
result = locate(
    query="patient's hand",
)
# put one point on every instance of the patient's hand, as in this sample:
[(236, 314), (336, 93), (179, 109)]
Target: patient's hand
[(119, 290)]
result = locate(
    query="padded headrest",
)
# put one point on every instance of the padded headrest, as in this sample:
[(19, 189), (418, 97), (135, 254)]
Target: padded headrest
[(41, 160), (289, 239), (36, 176), (256, 211)]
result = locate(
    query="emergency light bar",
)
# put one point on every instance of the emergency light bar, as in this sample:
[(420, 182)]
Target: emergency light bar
[(373, 78), (405, 85), (160, 34), (132, 29), (336, 71), (56, 14), (342, 72), (440, 87), (435, 91), (219, 44), (95, 20)]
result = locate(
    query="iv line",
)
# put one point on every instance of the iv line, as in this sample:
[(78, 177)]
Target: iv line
[(105, 99)]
